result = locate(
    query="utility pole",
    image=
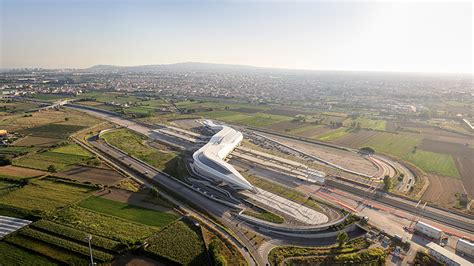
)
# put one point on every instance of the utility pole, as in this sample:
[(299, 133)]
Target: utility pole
[(89, 239)]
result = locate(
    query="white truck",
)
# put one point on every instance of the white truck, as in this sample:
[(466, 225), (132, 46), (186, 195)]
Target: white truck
[(465, 248), (428, 230)]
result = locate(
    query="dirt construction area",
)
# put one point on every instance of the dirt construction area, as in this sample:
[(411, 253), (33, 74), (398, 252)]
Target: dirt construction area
[(442, 190), (94, 175), (345, 159)]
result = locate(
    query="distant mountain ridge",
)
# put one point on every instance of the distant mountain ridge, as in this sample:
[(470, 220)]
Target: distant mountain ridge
[(186, 66)]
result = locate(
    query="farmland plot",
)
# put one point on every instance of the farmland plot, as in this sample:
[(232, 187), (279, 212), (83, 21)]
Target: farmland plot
[(77, 235), (355, 139), (333, 134), (178, 243), (56, 131), (288, 112), (286, 126), (311, 131), (15, 151), (53, 252), (46, 194), (20, 172), (92, 174), (442, 190), (42, 161), (13, 255), (37, 141), (262, 120), (433, 162), (465, 166), (104, 225), (133, 144), (48, 117), (129, 212)]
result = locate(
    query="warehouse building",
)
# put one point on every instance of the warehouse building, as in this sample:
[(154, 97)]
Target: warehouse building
[(445, 256)]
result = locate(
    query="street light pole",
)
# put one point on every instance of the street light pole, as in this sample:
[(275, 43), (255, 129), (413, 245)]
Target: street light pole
[(89, 239)]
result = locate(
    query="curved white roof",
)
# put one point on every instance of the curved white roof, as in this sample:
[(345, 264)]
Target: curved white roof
[(209, 159)]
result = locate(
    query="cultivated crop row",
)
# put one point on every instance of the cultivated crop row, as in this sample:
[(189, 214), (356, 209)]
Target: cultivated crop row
[(75, 234), (48, 250), (65, 244)]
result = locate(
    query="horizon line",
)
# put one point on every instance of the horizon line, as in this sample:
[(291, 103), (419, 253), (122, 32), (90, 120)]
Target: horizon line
[(244, 65)]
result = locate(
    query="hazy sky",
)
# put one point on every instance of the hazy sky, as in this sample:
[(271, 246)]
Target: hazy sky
[(384, 36)]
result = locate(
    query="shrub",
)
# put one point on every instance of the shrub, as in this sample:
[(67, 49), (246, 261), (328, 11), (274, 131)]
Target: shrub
[(214, 249)]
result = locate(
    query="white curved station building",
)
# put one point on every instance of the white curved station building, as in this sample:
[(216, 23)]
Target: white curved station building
[(209, 159)]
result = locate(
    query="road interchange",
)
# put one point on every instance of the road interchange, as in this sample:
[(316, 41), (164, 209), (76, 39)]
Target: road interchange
[(454, 223)]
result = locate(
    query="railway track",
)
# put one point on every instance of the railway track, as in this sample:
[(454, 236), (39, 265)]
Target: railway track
[(462, 223)]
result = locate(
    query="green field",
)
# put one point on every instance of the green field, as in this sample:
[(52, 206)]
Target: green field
[(336, 114), (104, 225), (229, 116), (395, 144), (77, 235), (42, 161), (55, 131), (333, 134), (52, 251), (14, 150), (12, 107), (8, 184), (179, 243), (298, 130), (405, 146), (4, 185), (442, 164), (254, 119), (72, 149), (133, 144), (12, 255), (374, 124), (45, 194), (65, 244), (129, 212), (261, 120)]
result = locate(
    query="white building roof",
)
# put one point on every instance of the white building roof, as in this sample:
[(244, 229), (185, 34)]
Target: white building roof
[(429, 226), (448, 254), (210, 157)]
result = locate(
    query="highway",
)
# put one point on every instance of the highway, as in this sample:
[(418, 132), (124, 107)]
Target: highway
[(452, 220), (217, 210), (220, 211)]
